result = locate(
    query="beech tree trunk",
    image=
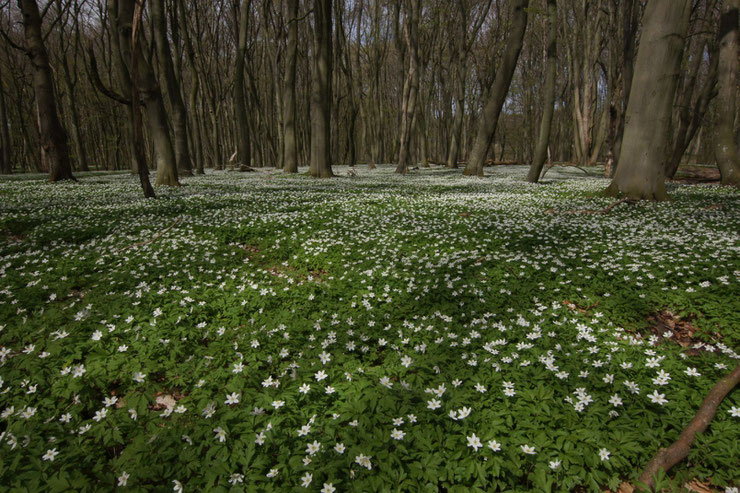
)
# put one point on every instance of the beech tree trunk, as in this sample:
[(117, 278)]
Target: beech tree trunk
[(197, 139), (6, 163), (457, 121), (167, 71), (149, 92), (52, 136), (243, 144), (321, 91), (290, 150), (498, 91), (647, 131), (725, 149), (138, 132), (543, 140), (688, 121), (411, 86)]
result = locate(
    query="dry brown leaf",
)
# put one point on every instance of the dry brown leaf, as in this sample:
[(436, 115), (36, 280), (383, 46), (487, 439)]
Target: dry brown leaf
[(625, 487)]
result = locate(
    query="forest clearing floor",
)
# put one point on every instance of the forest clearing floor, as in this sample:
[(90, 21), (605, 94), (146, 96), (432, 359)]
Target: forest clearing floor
[(271, 332)]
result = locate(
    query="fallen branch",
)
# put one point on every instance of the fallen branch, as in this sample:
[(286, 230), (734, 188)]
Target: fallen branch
[(153, 239), (669, 457)]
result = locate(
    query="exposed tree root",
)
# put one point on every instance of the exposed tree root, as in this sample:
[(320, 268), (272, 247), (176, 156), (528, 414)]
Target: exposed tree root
[(669, 457), (154, 238), (550, 166)]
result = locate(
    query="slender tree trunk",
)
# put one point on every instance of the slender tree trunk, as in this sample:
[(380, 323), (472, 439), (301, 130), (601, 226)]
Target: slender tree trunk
[(321, 91), (150, 95), (543, 140), (167, 71), (53, 137), (6, 163), (290, 151), (499, 90), (725, 150), (193, 98), (138, 147), (640, 172), (457, 121), (243, 151), (411, 86), (689, 122), (79, 145)]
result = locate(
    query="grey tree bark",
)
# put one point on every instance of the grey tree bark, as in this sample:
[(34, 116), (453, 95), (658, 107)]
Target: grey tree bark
[(411, 86), (149, 92), (197, 139), (243, 149), (321, 91), (167, 71), (290, 149), (647, 130), (141, 166), (498, 90), (52, 136), (6, 156), (725, 149), (543, 140)]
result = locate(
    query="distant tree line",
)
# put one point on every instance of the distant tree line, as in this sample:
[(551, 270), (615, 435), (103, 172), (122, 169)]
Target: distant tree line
[(184, 85)]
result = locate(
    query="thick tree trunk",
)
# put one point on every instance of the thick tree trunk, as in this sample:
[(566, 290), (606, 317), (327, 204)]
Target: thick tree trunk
[(543, 140), (243, 150), (499, 90), (411, 86), (725, 150), (290, 149), (53, 137), (167, 72), (321, 91), (640, 172), (6, 156)]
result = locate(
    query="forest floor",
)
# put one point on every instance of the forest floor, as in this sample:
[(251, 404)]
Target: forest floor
[(264, 332)]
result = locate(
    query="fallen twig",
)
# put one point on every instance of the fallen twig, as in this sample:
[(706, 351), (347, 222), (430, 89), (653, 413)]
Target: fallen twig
[(154, 238), (669, 457)]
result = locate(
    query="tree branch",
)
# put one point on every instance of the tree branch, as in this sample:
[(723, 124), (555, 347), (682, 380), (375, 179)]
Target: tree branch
[(98, 84), (669, 457)]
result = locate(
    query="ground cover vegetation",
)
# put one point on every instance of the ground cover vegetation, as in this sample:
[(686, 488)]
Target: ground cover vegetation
[(265, 332)]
